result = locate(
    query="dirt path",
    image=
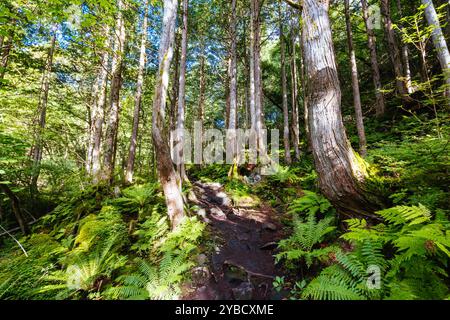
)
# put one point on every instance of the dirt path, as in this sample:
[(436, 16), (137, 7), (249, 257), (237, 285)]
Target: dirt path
[(242, 266)]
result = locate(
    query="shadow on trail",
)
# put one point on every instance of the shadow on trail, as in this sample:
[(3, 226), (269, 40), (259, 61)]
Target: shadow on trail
[(242, 266)]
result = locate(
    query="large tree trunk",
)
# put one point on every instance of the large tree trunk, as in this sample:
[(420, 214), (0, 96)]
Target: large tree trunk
[(287, 147), (405, 55), (138, 98), (116, 85), (93, 165), (394, 51), (294, 92), (371, 41), (341, 173), (15, 204), (179, 142), (439, 43), (355, 84), (42, 114), (167, 174)]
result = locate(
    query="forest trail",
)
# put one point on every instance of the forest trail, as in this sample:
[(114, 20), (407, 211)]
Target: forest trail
[(242, 266)]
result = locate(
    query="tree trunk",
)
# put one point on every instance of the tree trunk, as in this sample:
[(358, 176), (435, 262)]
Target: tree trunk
[(394, 51), (5, 51), (167, 174), (42, 111), (371, 41), (15, 203), (98, 113), (341, 173), (405, 55), (175, 90), (355, 84), (294, 95), (252, 90), (179, 142), (233, 82), (138, 98), (439, 43), (287, 147), (258, 101), (116, 84), (201, 106)]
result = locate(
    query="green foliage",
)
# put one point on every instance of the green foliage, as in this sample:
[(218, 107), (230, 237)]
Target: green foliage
[(410, 250), (311, 203), (150, 281), (348, 278), (139, 199), (21, 276), (306, 243)]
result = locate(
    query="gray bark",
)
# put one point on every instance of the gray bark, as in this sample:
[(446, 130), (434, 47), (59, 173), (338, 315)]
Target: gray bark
[(138, 97), (167, 174), (371, 41), (93, 164), (179, 142), (294, 94), (394, 51), (287, 147), (341, 174), (405, 54), (116, 85), (355, 84), (439, 43)]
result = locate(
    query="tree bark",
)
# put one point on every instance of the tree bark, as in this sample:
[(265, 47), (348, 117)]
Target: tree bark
[(294, 94), (42, 111), (394, 51), (371, 41), (233, 82), (439, 43), (258, 100), (405, 54), (179, 142), (98, 113), (287, 147), (138, 97), (201, 104), (116, 85), (341, 173), (5, 51), (167, 174), (15, 203), (355, 83)]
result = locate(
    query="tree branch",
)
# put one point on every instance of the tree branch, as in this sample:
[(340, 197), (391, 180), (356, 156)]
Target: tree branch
[(293, 4)]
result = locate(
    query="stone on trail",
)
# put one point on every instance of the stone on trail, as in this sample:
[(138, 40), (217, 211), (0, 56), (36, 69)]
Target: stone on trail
[(243, 292)]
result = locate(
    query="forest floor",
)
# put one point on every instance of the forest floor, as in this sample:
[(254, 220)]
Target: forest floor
[(241, 266)]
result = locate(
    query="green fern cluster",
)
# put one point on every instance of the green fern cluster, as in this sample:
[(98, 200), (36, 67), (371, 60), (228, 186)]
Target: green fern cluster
[(311, 203), (410, 250), (152, 281), (348, 278), (309, 233)]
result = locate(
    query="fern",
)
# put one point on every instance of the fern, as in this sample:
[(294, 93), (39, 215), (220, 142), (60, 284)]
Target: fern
[(310, 203), (306, 235), (153, 281), (347, 278), (401, 215)]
